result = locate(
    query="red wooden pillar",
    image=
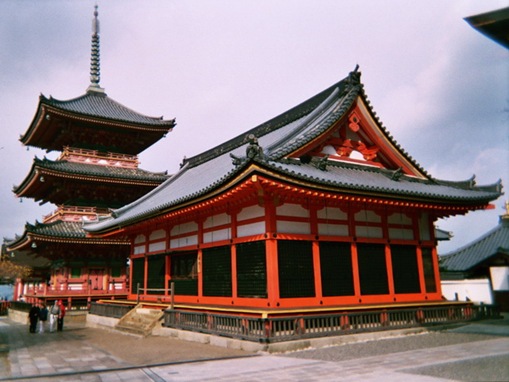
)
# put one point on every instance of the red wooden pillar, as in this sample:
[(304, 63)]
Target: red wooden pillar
[(317, 269), (132, 288), (355, 271), (272, 272), (436, 271), (313, 219), (167, 273), (420, 266), (271, 252), (233, 254), (390, 275), (106, 281), (200, 274), (200, 256), (145, 273), (65, 274)]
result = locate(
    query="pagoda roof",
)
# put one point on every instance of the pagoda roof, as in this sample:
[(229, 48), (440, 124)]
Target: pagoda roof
[(38, 181), (492, 243), (57, 232), (293, 147), (94, 111), (94, 104)]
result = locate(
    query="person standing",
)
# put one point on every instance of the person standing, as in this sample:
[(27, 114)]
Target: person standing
[(43, 317), (33, 316), (53, 317), (61, 315)]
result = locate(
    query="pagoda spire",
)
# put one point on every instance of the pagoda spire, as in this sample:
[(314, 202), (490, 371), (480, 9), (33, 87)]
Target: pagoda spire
[(95, 67)]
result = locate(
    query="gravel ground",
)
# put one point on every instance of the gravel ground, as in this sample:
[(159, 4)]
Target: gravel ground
[(388, 345), (495, 368)]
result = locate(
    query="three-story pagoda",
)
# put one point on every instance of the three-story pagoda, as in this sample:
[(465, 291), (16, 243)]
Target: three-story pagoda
[(97, 170)]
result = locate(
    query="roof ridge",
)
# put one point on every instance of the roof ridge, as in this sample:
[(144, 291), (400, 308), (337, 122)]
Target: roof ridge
[(292, 114), (314, 115)]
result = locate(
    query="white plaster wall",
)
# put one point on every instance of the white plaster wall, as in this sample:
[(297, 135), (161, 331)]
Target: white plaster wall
[(251, 229), (500, 278), (478, 290)]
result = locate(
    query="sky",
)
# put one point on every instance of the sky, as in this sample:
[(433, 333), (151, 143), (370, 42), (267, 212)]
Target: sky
[(222, 67)]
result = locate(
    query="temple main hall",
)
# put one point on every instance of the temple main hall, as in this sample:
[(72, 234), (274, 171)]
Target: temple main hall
[(317, 208)]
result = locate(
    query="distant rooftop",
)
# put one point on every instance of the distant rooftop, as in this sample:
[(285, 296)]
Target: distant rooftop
[(494, 24)]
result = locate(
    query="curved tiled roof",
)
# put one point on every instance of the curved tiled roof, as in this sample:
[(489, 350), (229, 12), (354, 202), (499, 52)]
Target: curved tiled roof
[(93, 121), (465, 258), (283, 135), (100, 105), (100, 171), (58, 230), (342, 94), (91, 170)]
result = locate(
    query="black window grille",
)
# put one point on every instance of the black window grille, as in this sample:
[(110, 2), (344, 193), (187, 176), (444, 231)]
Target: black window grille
[(295, 264), (184, 273), (138, 274), (336, 269), (405, 270), (251, 270), (155, 274), (372, 269), (217, 271)]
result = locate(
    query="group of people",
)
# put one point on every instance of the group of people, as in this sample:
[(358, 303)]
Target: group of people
[(38, 316)]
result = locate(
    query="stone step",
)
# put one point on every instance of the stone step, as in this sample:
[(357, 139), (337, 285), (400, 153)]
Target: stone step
[(139, 321), (132, 330)]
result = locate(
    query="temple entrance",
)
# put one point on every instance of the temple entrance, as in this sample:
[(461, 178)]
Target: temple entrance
[(96, 278)]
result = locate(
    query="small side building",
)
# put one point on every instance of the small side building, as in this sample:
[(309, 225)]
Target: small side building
[(479, 271)]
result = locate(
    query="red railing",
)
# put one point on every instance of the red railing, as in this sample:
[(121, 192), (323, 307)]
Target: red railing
[(72, 296)]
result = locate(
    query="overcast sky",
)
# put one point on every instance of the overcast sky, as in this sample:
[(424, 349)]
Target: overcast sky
[(223, 67)]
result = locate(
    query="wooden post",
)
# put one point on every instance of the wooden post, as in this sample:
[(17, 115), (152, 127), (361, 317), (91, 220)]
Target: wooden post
[(137, 293), (172, 294)]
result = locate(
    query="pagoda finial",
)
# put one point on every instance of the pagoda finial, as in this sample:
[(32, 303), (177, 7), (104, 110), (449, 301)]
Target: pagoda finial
[(95, 68)]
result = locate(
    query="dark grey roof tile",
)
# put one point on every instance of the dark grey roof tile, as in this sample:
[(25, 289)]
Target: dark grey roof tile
[(101, 106), (481, 249)]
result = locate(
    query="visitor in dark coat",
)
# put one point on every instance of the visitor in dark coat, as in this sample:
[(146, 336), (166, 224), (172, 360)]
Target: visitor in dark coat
[(33, 316), (43, 317)]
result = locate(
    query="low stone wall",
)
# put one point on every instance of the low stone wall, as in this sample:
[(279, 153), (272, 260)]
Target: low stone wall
[(71, 317), (203, 338), (96, 321), (18, 316)]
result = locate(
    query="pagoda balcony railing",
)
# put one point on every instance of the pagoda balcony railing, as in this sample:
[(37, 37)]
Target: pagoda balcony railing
[(74, 289), (79, 155), (75, 213), (277, 329)]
